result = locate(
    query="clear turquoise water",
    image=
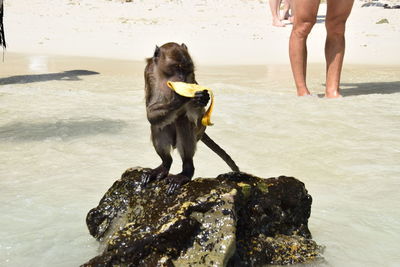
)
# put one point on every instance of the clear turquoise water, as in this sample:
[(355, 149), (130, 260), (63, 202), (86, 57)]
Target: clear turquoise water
[(66, 137)]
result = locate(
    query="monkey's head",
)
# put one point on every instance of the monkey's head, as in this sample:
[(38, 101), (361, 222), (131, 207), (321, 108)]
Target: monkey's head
[(174, 62)]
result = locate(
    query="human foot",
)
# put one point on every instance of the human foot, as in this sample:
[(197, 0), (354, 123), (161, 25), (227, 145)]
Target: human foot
[(303, 92), (278, 23), (333, 94)]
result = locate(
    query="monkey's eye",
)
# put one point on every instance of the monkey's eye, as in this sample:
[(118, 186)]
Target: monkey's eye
[(169, 71)]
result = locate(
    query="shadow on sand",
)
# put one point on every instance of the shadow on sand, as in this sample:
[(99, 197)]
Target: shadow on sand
[(354, 89), (63, 129), (71, 75)]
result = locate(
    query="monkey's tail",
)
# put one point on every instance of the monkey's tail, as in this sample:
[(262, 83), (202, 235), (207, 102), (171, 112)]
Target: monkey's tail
[(220, 152)]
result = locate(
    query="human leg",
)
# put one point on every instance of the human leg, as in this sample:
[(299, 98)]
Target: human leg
[(336, 16), (274, 6), (285, 11), (291, 17), (306, 15)]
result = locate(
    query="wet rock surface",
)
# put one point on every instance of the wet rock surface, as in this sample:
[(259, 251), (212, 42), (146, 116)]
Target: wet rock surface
[(235, 219)]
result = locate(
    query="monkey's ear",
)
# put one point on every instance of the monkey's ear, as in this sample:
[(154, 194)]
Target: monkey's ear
[(184, 46), (156, 52)]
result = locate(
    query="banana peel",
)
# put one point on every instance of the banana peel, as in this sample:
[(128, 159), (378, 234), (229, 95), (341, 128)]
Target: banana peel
[(189, 90)]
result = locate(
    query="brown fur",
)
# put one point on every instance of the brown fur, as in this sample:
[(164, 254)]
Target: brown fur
[(175, 120)]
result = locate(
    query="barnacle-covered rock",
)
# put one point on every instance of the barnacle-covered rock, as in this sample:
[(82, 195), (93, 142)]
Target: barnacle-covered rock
[(235, 219)]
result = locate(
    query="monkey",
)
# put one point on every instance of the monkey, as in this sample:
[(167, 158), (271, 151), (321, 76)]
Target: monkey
[(175, 120)]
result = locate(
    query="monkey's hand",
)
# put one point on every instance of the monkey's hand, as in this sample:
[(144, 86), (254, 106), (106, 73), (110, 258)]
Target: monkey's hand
[(201, 98), (175, 182)]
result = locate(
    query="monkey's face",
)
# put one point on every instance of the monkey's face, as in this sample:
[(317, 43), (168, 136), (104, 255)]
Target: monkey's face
[(174, 63)]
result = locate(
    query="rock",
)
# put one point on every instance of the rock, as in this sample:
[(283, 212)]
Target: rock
[(388, 4), (235, 219), (382, 21), (373, 5)]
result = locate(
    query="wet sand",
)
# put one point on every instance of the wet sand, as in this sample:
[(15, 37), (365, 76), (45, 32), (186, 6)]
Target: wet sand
[(69, 127)]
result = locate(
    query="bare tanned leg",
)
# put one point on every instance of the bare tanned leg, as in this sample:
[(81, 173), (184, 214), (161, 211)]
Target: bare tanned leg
[(305, 18), (274, 5), (336, 16), (285, 11)]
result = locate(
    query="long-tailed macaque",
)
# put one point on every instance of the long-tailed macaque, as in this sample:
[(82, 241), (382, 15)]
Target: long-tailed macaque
[(175, 120)]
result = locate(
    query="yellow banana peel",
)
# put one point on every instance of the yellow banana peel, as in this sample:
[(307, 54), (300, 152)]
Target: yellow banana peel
[(189, 90)]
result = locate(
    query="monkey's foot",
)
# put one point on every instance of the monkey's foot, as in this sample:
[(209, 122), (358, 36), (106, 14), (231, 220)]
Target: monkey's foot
[(176, 181), (155, 174)]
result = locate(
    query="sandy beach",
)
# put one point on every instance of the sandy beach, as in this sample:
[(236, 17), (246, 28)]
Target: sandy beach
[(72, 118), (217, 32)]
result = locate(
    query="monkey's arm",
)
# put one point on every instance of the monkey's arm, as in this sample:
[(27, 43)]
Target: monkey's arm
[(200, 96), (164, 112)]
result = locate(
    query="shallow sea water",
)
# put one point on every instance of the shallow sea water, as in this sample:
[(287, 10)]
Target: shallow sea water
[(69, 127)]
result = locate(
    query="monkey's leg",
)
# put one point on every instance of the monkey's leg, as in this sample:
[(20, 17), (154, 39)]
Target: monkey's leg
[(163, 140), (186, 145)]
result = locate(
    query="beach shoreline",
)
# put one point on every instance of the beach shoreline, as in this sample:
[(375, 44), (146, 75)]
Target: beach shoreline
[(217, 33)]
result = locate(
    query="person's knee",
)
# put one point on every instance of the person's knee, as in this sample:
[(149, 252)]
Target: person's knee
[(335, 27), (303, 28)]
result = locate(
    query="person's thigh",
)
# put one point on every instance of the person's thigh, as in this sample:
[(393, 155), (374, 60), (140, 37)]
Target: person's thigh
[(305, 10), (338, 11)]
